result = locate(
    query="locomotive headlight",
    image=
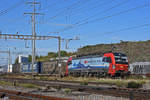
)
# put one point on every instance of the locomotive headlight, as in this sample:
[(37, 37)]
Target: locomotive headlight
[(121, 66), (113, 66)]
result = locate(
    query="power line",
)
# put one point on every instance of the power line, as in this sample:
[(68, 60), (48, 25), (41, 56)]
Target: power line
[(116, 14), (12, 7), (66, 8), (106, 10), (129, 28), (106, 17), (72, 11), (51, 5), (80, 7), (92, 8)]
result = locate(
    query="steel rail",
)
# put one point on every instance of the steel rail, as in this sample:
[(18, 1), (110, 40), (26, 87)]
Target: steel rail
[(113, 91), (17, 95)]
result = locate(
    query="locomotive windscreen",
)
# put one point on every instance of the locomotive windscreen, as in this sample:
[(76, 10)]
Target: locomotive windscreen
[(120, 58)]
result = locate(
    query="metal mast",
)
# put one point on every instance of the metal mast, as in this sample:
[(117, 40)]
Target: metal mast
[(33, 20), (34, 35)]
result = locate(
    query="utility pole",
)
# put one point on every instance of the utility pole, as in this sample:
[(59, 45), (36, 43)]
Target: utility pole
[(33, 34), (59, 54), (9, 58), (33, 20)]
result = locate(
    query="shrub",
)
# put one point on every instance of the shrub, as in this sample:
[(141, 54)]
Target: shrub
[(67, 91), (133, 84), (84, 83), (119, 84), (59, 88)]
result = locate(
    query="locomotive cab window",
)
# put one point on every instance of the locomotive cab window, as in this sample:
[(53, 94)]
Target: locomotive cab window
[(69, 62), (120, 58), (107, 59)]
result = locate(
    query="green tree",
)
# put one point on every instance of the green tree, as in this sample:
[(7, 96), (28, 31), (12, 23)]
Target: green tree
[(29, 58), (63, 53), (52, 54), (17, 60)]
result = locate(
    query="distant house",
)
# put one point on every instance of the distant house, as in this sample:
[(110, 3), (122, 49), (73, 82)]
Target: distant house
[(23, 59), (3, 68)]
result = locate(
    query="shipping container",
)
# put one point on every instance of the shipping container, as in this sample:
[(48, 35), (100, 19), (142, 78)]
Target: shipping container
[(52, 67), (16, 68), (27, 68)]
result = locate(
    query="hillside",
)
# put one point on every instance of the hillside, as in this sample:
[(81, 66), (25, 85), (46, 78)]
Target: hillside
[(136, 51)]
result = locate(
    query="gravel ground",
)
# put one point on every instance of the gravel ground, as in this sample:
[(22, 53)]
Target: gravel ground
[(74, 95)]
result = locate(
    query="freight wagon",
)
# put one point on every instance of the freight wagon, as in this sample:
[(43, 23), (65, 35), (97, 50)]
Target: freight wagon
[(140, 68), (51, 67), (113, 64), (27, 68)]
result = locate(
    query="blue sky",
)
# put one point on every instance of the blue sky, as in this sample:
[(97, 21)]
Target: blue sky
[(60, 14)]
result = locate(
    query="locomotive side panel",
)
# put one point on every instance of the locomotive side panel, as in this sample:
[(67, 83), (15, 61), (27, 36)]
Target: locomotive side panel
[(88, 66)]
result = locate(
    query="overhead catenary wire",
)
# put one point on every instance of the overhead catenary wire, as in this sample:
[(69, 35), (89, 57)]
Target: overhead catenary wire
[(96, 6), (12, 7), (66, 8), (106, 17), (81, 7), (71, 11), (128, 28), (51, 5), (101, 12), (84, 21), (104, 11), (119, 13)]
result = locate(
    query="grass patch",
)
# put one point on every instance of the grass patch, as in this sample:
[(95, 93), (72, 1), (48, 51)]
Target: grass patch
[(84, 82), (43, 78), (67, 91), (28, 85), (5, 83)]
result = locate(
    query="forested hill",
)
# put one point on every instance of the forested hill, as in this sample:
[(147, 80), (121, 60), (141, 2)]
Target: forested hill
[(136, 51)]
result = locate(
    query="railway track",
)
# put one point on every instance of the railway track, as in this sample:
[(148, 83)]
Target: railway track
[(137, 94), (17, 95)]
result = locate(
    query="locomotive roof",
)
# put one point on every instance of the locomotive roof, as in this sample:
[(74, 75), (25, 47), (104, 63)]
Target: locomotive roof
[(119, 54), (99, 55), (90, 56)]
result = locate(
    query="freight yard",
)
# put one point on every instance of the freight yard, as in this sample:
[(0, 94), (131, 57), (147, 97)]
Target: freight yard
[(74, 50), (76, 88)]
